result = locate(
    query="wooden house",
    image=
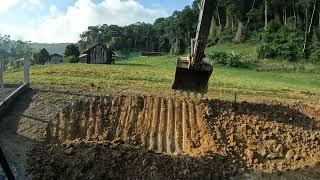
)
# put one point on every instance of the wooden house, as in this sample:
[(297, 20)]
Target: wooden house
[(55, 59), (97, 54)]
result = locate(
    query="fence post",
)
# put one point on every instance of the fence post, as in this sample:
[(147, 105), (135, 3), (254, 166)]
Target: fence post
[(2, 96), (26, 67)]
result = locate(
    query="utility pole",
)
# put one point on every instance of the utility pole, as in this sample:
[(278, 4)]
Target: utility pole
[(26, 64), (2, 96), (26, 67)]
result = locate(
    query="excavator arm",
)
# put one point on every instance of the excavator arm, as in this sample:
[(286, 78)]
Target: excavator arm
[(203, 29), (192, 73)]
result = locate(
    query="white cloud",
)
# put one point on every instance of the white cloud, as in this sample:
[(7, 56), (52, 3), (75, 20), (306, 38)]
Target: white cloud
[(6, 5), (66, 27)]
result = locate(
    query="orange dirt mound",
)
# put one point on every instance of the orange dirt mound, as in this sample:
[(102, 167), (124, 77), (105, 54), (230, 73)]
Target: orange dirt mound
[(179, 138)]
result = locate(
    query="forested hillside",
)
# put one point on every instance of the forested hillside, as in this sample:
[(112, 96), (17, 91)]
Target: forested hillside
[(288, 29), (11, 50), (58, 48)]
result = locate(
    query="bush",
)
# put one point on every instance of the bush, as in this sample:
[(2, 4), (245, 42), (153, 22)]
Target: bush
[(265, 50), (315, 53), (71, 59), (226, 59), (284, 43)]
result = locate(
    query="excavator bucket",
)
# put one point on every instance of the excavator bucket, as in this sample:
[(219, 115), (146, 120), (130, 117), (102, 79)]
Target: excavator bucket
[(192, 78)]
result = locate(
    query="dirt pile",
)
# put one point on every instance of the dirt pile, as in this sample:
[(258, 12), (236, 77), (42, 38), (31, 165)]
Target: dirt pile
[(147, 137), (81, 160), (266, 137)]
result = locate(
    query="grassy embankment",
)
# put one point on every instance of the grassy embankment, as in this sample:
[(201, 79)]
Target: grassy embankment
[(154, 75), (249, 55)]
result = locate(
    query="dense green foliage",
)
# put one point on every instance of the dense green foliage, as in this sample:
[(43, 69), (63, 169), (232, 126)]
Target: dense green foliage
[(172, 34), (71, 59), (11, 50), (284, 29), (281, 43), (44, 56), (225, 59), (72, 50), (72, 53)]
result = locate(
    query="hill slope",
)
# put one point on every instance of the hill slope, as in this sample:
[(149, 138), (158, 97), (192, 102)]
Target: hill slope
[(58, 48)]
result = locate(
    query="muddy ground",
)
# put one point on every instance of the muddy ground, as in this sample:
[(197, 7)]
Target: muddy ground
[(64, 135)]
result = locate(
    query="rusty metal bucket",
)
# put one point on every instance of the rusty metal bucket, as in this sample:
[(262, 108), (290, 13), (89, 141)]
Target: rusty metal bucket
[(192, 78)]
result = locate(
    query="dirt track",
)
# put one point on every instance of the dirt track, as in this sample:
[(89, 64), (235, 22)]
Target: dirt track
[(154, 137)]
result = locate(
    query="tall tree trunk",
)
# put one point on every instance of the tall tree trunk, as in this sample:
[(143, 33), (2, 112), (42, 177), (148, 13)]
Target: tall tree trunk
[(238, 37), (227, 25), (311, 21), (232, 25), (285, 17), (136, 40), (306, 30), (249, 17), (277, 17), (294, 14), (265, 15), (213, 29), (219, 28)]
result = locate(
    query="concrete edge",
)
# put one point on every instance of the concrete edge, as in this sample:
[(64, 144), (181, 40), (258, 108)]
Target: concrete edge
[(12, 97)]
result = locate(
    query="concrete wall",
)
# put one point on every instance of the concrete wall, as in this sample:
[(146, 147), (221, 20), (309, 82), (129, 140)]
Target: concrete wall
[(4, 105)]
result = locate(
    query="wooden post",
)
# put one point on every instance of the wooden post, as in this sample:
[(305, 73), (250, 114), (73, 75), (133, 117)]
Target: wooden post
[(26, 67), (235, 97), (2, 95)]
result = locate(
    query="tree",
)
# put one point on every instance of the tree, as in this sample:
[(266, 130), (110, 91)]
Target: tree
[(233, 19), (241, 17), (43, 56), (72, 50), (71, 59)]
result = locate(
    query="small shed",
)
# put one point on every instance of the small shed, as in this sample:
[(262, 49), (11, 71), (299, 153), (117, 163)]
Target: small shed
[(97, 54), (55, 59)]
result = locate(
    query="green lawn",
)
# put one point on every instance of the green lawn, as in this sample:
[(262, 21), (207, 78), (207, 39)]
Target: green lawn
[(155, 75)]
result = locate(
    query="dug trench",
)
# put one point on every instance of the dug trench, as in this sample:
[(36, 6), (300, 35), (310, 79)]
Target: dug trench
[(166, 137)]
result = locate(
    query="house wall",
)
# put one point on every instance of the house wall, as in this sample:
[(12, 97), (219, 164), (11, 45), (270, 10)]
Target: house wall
[(84, 60), (98, 55), (56, 60)]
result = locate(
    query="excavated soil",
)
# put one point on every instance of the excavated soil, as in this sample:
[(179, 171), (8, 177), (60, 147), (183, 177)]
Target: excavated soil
[(164, 125), (166, 137)]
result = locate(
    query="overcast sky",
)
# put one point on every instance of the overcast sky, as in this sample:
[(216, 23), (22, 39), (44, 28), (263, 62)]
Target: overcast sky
[(55, 21)]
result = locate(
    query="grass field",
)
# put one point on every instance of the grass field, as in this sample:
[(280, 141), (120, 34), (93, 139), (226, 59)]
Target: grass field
[(155, 75)]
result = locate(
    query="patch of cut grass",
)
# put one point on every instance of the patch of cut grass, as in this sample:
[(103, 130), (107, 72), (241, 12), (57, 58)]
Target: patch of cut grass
[(156, 74)]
